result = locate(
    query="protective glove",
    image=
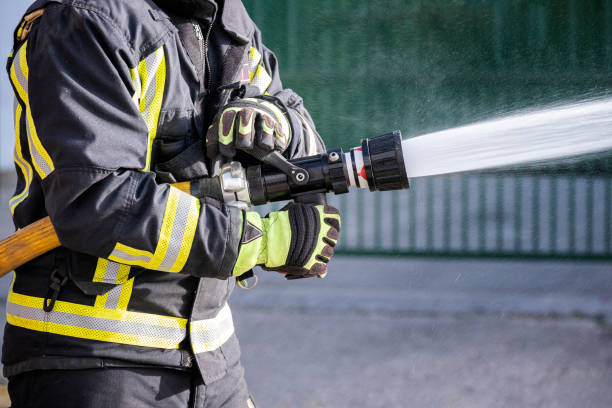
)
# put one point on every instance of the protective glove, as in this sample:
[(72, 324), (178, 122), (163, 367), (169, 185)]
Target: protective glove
[(299, 240), (247, 124)]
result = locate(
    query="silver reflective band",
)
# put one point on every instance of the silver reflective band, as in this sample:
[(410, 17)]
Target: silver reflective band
[(177, 237), (124, 256), (349, 169), (132, 328), (114, 295), (358, 167), (210, 334)]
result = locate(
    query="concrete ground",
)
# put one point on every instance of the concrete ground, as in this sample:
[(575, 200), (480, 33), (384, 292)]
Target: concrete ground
[(431, 333)]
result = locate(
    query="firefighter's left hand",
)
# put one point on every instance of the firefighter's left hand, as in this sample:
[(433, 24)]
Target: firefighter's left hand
[(247, 124), (298, 240)]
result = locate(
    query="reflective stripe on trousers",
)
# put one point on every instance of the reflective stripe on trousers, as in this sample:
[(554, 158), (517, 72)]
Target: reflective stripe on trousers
[(118, 326)]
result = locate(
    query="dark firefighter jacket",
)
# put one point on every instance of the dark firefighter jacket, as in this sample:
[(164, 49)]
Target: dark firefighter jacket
[(107, 94)]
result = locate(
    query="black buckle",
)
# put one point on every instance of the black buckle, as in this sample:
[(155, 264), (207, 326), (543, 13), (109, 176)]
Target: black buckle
[(58, 280), (243, 281)]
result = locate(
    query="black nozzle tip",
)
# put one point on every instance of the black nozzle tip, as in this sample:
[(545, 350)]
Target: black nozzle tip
[(384, 162)]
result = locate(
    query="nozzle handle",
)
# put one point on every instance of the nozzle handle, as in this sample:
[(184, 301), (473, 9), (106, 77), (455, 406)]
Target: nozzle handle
[(298, 175)]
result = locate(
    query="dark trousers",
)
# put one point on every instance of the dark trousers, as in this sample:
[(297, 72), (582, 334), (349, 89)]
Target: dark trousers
[(127, 387)]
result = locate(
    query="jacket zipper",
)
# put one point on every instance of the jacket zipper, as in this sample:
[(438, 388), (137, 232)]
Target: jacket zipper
[(203, 40)]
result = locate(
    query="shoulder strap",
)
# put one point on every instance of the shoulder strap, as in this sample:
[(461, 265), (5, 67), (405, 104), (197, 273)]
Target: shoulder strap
[(24, 28), (20, 35), (33, 13)]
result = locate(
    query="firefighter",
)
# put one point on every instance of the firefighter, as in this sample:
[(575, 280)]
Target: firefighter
[(114, 101)]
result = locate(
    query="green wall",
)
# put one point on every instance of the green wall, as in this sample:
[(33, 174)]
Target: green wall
[(366, 67)]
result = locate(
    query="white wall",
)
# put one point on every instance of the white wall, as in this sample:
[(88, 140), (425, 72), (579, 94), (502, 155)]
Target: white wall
[(10, 13)]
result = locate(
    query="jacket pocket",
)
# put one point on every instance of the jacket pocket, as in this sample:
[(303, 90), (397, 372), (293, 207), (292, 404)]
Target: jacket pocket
[(174, 133), (97, 276), (178, 153)]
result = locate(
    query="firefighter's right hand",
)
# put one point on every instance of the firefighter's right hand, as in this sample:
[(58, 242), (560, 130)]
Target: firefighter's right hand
[(248, 124), (299, 240)]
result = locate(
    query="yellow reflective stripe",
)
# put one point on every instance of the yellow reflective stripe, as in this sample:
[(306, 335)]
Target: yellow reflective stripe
[(137, 86), (116, 298), (100, 270), (133, 328), (132, 256), (24, 166), (40, 158), (117, 326), (258, 76), (20, 90), (91, 334), (149, 93), (175, 239), (19, 76), (144, 81), (190, 231), (119, 296), (210, 334), (23, 61), (90, 311), (124, 274), (101, 301), (126, 294), (254, 60), (111, 272), (261, 79)]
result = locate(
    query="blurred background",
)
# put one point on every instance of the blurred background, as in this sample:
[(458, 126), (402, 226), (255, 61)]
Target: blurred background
[(469, 290)]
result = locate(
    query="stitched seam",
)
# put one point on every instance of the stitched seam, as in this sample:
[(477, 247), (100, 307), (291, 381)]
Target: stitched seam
[(120, 33), (144, 49), (124, 211), (226, 259)]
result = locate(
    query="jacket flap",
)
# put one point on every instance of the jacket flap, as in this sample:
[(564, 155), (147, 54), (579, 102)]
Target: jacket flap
[(237, 22)]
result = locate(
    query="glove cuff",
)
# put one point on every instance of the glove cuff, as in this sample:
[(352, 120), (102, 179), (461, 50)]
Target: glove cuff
[(252, 243)]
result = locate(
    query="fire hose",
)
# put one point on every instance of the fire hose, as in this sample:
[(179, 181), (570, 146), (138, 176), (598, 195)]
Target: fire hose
[(377, 164)]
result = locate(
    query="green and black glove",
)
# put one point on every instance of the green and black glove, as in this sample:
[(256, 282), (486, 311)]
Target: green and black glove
[(299, 240), (246, 124)]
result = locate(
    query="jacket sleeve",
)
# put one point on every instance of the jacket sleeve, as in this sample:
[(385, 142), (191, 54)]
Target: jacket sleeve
[(92, 111), (305, 141)]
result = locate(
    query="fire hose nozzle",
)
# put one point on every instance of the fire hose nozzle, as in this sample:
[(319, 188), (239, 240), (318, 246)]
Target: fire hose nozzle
[(378, 164)]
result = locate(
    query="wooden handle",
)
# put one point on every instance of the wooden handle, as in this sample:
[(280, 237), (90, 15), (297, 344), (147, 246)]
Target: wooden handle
[(36, 239), (26, 244)]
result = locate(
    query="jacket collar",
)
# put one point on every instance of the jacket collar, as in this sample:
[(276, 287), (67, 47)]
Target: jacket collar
[(234, 17), (205, 10), (236, 21)]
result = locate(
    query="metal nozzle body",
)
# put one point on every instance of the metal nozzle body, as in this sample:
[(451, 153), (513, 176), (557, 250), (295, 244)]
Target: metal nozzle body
[(378, 164)]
